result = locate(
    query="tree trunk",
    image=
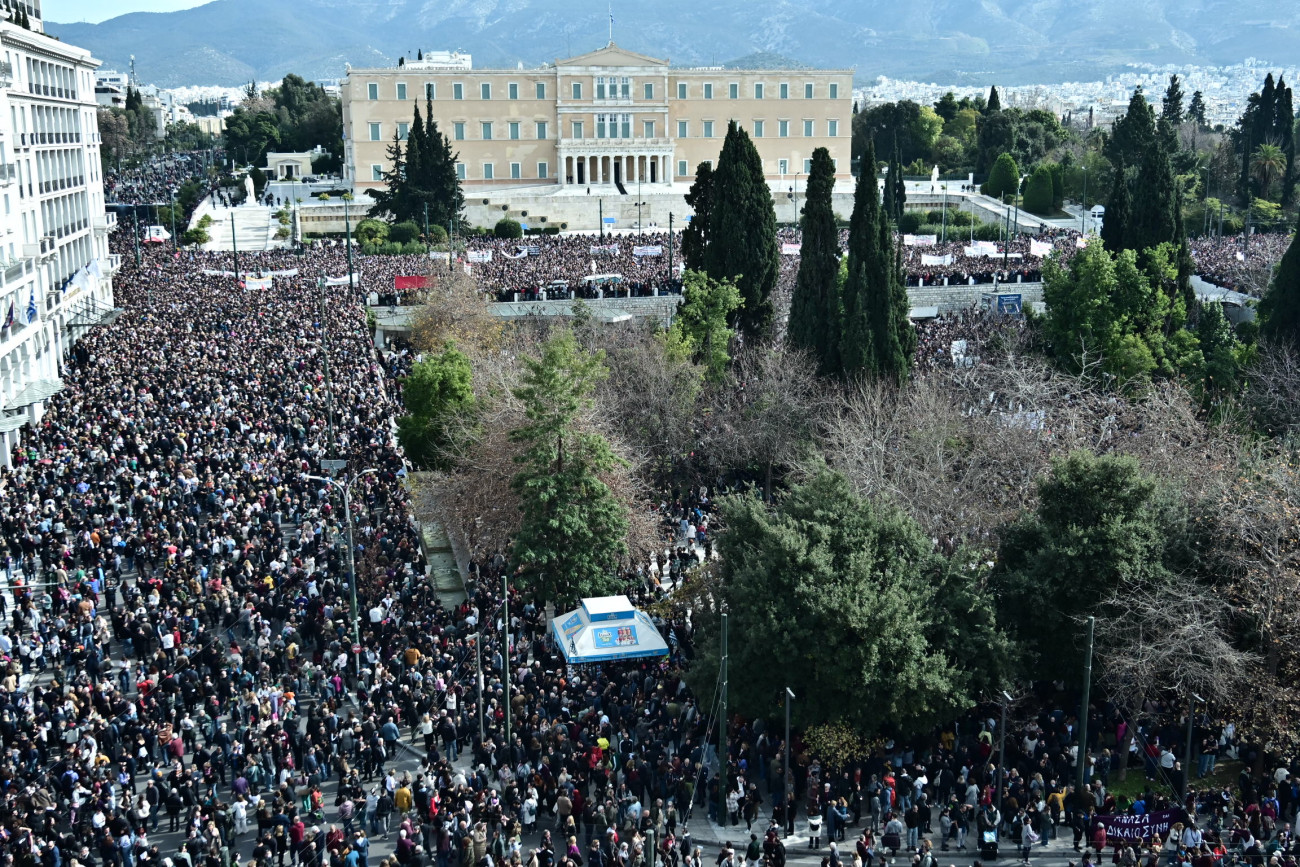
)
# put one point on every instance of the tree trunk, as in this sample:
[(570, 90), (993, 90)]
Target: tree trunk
[(767, 484)]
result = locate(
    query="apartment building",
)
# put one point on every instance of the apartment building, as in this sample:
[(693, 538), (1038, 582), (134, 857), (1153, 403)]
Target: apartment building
[(55, 268), (607, 117)]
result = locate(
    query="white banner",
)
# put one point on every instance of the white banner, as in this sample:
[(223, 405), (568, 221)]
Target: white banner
[(1040, 248), (1080, 242), (605, 250), (652, 250), (920, 240), (292, 272), (791, 249), (252, 283), (522, 254), (981, 248), (441, 257), (936, 260), (340, 281), (478, 256)]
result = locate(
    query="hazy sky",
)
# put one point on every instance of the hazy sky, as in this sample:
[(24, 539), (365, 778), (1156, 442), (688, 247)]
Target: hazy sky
[(101, 10)]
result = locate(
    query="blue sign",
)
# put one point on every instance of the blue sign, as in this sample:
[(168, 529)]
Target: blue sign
[(1009, 304), (524, 226), (572, 625), (611, 219), (607, 637)]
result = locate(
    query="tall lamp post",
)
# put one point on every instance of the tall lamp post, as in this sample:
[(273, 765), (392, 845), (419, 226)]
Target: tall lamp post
[(1187, 751), (785, 767), (1083, 216), (347, 228), (1002, 753), (346, 488)]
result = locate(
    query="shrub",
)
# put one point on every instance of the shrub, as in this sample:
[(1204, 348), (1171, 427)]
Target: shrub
[(205, 221), (1003, 179), (437, 235), (372, 231), (507, 229), (908, 222), (194, 236), (988, 232), (403, 233), (1038, 191), (412, 248), (282, 233)]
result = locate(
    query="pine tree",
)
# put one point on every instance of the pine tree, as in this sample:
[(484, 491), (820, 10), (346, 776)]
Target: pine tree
[(1114, 227), (994, 103), (1153, 200), (1133, 133), (815, 315), (695, 237), (446, 197), (417, 169), (392, 199), (1196, 110), (742, 242), (1172, 105), (1279, 310)]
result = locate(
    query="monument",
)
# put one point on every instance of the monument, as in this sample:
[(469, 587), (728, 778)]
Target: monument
[(250, 198)]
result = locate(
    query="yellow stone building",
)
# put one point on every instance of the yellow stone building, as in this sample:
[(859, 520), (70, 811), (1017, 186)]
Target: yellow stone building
[(608, 117)]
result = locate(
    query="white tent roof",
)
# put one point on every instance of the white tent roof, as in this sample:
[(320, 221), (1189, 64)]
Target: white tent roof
[(605, 629)]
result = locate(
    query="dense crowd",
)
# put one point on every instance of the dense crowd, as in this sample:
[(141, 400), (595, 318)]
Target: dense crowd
[(547, 267), (156, 180), (1232, 262)]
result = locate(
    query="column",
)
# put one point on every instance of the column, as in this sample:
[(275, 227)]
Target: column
[(636, 169), (668, 168)]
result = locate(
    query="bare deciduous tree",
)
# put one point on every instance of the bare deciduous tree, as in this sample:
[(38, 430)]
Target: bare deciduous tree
[(1274, 393)]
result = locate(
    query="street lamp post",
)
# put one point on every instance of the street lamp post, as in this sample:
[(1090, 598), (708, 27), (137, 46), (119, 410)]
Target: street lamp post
[(346, 488), (1083, 216), (785, 767), (1002, 754), (1187, 751)]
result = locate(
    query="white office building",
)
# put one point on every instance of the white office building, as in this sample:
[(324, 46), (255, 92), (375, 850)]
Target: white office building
[(55, 268)]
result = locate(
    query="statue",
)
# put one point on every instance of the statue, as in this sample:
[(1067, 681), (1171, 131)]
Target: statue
[(934, 174), (249, 197)]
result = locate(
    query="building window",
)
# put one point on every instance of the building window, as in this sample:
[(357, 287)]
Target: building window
[(758, 90), (516, 171), (485, 90), (783, 128), (807, 129), (577, 129), (782, 167), (625, 88), (541, 90), (489, 173), (403, 129), (401, 90), (458, 130), (835, 90), (376, 173), (807, 167), (541, 130), (681, 168), (514, 130), (627, 126), (708, 129), (577, 90), (681, 90), (486, 127), (600, 125), (600, 87), (372, 91), (733, 91), (647, 129), (460, 171), (374, 132), (833, 128), (785, 90), (430, 90), (649, 90), (758, 129), (708, 90), (458, 91), (543, 170), (513, 89), (681, 129)]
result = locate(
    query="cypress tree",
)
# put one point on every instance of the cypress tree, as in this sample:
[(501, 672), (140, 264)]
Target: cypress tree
[(1133, 133), (857, 351), (695, 237), (1172, 105), (417, 170), (887, 192), (994, 103), (1285, 124), (1186, 265), (900, 188), (892, 337), (1279, 310), (815, 306), (1153, 202), (1114, 227), (742, 237)]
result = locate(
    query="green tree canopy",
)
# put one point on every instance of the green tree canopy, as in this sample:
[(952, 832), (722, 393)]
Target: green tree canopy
[(742, 236), (1004, 179), (1280, 308), (828, 569), (573, 532), (438, 388), (1038, 191), (701, 323), (695, 237)]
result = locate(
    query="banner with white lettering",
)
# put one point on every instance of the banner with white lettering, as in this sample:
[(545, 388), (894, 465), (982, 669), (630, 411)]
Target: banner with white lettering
[(605, 250), (981, 248), (1144, 827), (1040, 248), (920, 240), (252, 283), (652, 250), (478, 256), (340, 281), (791, 249), (936, 260)]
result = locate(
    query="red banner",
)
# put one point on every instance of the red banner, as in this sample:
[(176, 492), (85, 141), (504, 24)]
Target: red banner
[(408, 282)]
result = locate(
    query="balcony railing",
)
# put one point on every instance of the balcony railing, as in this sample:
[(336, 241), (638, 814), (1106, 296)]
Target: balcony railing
[(8, 173)]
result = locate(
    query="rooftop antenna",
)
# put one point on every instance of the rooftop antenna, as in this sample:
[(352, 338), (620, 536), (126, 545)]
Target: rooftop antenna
[(611, 23)]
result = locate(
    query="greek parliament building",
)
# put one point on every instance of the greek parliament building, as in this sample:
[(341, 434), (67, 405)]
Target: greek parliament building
[(607, 117), (55, 269)]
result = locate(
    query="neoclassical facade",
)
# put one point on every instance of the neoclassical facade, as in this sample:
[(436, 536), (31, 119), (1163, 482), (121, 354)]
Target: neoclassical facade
[(609, 117)]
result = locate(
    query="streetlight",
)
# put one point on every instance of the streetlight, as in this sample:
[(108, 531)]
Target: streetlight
[(1083, 216), (346, 488), (1002, 754), (1187, 751), (785, 767)]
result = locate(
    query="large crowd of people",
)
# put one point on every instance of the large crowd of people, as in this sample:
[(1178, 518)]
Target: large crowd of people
[(156, 180)]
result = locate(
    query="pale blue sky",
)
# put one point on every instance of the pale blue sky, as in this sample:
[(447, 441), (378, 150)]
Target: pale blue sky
[(102, 10)]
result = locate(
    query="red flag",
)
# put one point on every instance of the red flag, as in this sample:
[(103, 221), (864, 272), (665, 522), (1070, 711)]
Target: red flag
[(400, 282)]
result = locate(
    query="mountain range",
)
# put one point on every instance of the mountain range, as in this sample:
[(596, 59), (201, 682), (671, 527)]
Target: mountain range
[(230, 42)]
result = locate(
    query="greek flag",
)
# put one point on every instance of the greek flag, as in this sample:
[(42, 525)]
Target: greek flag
[(31, 308)]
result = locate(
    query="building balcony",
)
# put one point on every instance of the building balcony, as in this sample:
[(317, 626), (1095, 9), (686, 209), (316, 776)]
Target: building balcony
[(8, 174), (106, 222), (114, 262), (40, 250), (618, 145)]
